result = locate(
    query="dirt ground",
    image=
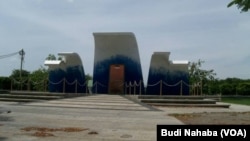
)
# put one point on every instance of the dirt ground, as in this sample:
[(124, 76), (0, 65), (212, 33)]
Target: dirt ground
[(216, 118)]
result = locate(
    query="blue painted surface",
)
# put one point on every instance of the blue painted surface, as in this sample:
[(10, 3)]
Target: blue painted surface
[(70, 74), (170, 78), (55, 80), (132, 72)]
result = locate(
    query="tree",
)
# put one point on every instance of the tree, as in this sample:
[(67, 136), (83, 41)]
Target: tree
[(243, 89), (51, 57), (227, 89), (244, 5), (5, 83), (16, 74), (38, 79), (201, 77), (235, 86), (88, 77), (19, 83)]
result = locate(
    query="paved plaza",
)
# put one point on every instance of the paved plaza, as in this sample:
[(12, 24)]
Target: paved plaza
[(91, 118)]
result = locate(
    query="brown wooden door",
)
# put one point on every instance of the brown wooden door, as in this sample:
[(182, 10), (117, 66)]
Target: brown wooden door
[(116, 79)]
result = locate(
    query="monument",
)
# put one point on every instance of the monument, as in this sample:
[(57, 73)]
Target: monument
[(167, 77), (66, 75), (117, 67)]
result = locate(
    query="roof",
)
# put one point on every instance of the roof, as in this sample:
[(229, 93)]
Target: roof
[(52, 62), (180, 62)]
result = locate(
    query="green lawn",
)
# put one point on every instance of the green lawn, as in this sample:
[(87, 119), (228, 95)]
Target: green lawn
[(237, 100)]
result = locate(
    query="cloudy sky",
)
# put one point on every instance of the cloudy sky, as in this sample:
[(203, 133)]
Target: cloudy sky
[(189, 29)]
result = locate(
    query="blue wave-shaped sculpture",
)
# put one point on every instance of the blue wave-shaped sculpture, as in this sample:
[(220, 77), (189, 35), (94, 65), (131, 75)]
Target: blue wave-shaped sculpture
[(173, 83), (166, 77), (133, 74), (67, 75), (112, 49)]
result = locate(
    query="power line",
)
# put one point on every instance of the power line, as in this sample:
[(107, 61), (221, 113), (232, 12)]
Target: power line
[(9, 55)]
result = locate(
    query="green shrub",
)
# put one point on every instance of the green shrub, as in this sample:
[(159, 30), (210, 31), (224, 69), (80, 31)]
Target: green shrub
[(5, 83), (227, 89), (243, 89)]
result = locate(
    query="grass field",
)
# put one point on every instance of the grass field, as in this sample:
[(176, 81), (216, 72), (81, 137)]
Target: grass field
[(237, 100)]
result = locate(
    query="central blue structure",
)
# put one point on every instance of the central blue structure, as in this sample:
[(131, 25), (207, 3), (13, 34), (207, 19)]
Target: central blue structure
[(117, 64)]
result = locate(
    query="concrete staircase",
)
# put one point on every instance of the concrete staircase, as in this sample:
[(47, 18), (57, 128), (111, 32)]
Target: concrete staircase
[(182, 101), (27, 96), (152, 100)]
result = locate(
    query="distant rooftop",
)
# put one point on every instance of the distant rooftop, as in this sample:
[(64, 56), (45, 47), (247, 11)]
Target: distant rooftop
[(180, 62), (52, 62)]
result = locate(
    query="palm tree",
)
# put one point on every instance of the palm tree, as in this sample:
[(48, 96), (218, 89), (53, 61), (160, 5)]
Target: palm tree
[(244, 5)]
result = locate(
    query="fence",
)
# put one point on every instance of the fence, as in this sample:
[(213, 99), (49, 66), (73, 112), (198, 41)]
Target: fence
[(28, 84), (131, 88), (31, 85)]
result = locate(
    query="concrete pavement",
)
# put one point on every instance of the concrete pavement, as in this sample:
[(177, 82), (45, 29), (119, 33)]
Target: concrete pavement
[(90, 118), (100, 117)]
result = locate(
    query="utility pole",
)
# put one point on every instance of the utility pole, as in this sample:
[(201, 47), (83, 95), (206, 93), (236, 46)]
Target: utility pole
[(21, 53)]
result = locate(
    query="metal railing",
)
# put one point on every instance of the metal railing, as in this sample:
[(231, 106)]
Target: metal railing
[(129, 87)]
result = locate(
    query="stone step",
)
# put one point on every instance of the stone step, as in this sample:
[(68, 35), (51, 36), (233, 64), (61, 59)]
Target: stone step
[(168, 97), (29, 96), (214, 97), (4, 92), (179, 101), (190, 105), (19, 100), (36, 93)]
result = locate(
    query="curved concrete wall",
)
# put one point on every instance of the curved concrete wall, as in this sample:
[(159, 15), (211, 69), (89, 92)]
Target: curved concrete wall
[(170, 73), (65, 72), (116, 48)]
